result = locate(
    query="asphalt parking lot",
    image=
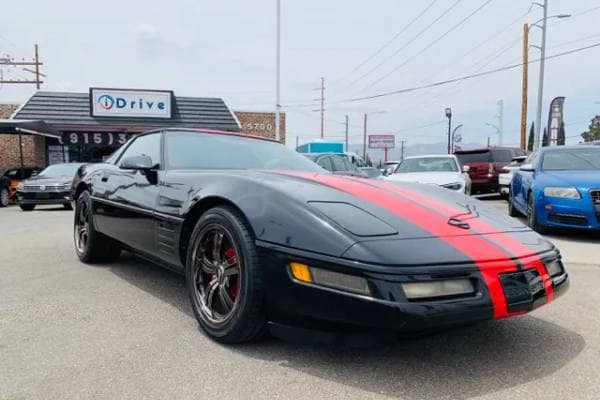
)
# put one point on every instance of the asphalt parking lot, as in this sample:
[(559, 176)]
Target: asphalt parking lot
[(126, 330)]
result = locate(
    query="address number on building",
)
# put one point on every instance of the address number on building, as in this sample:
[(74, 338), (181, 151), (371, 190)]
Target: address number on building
[(258, 127), (95, 138)]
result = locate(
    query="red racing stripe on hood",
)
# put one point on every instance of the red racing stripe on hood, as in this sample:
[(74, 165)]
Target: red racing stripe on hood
[(506, 241), (472, 246)]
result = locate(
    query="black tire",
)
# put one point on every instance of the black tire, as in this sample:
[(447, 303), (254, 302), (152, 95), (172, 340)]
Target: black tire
[(27, 207), (245, 318), (532, 217), (512, 211), (68, 206), (91, 246), (4, 197)]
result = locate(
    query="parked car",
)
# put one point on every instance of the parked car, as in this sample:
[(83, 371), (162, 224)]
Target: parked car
[(268, 240), (16, 175), (51, 186), (371, 172), (389, 167), (485, 165), (558, 186), (507, 173), (336, 163), (442, 170)]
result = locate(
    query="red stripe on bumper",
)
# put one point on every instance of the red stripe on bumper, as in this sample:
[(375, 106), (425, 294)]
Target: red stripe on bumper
[(474, 248)]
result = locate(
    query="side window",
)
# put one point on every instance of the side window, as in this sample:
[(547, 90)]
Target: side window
[(145, 145), (338, 164), (325, 162)]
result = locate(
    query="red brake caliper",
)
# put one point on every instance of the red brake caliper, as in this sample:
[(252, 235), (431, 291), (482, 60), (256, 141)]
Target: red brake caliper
[(235, 285)]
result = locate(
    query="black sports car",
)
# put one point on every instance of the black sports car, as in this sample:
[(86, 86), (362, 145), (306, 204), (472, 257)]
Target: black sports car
[(266, 238), (51, 186)]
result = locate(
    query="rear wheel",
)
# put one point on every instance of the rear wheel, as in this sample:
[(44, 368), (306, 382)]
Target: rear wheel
[(27, 207), (90, 245), (4, 197), (532, 220), (224, 278)]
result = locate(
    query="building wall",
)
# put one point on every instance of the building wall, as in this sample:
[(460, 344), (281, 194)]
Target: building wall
[(34, 147), (261, 124)]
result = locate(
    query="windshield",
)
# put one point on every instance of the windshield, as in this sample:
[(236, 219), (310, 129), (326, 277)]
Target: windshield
[(482, 156), (428, 164), (58, 170), (572, 160), (194, 150)]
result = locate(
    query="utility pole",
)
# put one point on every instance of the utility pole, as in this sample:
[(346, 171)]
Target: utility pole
[(540, 95), (322, 107), (524, 88), (278, 72), (347, 148), (365, 138), (449, 116), (488, 141), (35, 63), (500, 121)]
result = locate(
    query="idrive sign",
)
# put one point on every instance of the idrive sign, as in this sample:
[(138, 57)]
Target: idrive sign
[(130, 103)]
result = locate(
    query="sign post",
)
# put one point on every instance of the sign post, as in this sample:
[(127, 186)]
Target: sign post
[(384, 142)]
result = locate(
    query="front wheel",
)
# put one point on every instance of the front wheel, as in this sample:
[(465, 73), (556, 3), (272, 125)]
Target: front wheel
[(68, 206), (27, 207), (4, 197), (532, 220), (90, 245), (224, 278), (512, 211)]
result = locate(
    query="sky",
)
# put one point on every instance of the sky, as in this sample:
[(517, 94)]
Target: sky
[(227, 49)]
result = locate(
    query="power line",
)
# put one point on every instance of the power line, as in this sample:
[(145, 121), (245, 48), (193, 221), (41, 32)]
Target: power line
[(431, 44), (412, 40), (462, 78), (400, 32)]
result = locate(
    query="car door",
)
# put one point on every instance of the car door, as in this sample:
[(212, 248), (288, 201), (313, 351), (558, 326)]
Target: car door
[(125, 198), (522, 182)]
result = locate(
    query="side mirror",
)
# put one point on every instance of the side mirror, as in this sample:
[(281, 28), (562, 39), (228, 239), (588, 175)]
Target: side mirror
[(527, 167), (466, 168), (137, 162), (385, 172)]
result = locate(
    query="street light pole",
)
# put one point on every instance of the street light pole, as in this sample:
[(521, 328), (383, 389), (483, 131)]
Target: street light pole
[(449, 116), (278, 74), (540, 94), (365, 138), (452, 136)]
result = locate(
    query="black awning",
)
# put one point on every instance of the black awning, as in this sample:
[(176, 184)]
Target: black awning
[(26, 126)]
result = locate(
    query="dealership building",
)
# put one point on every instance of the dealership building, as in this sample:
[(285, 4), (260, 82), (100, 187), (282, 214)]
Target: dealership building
[(55, 127)]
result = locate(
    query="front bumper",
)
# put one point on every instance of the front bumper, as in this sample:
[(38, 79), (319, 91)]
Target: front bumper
[(46, 197), (296, 303), (567, 213)]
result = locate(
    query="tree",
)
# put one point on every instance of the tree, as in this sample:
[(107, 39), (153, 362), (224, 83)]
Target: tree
[(593, 132), (545, 138), (531, 137), (560, 140)]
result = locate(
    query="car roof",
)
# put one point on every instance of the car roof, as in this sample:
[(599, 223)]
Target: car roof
[(570, 147), (432, 156), (209, 131)]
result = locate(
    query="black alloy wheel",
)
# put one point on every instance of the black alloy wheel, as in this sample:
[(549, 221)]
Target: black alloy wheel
[(512, 211), (223, 277), (90, 245)]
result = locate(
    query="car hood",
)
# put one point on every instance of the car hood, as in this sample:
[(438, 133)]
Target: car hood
[(581, 179), (438, 178), (391, 222), (42, 180)]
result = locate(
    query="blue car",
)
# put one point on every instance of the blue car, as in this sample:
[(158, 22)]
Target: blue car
[(558, 187)]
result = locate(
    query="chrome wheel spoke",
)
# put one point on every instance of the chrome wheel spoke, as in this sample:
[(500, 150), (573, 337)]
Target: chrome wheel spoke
[(232, 270), (217, 244), (226, 300), (209, 294)]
